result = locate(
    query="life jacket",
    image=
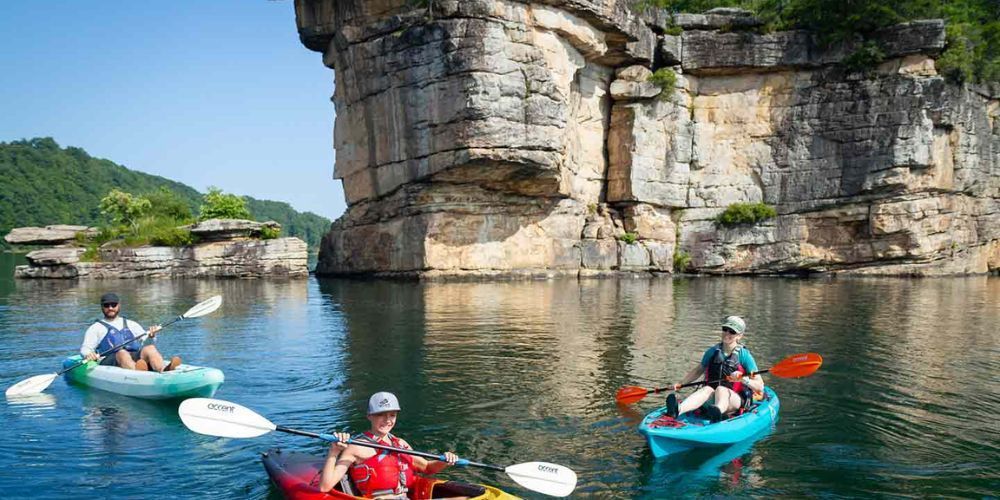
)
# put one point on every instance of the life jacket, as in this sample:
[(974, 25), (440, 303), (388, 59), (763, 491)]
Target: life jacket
[(385, 473), (116, 337), (721, 366)]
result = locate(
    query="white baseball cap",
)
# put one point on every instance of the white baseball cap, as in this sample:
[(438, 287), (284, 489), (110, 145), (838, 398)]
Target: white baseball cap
[(382, 402)]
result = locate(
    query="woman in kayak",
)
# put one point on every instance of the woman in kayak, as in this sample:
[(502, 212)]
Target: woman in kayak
[(377, 473), (115, 330), (728, 361)]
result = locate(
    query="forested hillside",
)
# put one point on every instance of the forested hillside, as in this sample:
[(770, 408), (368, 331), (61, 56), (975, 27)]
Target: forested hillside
[(42, 183)]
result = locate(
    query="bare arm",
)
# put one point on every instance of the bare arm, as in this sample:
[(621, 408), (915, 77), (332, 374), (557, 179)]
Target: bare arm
[(692, 375), (431, 466), (338, 459)]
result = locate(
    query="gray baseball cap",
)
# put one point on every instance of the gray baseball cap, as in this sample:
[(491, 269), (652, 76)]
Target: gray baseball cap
[(736, 324), (109, 298), (381, 402)]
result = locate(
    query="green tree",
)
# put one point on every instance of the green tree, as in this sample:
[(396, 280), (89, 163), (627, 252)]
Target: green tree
[(219, 205), (124, 208)]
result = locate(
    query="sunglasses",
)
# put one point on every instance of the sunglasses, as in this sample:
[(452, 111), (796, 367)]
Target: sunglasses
[(110, 304), (731, 332)]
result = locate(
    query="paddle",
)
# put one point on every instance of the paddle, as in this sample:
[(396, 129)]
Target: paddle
[(215, 417), (39, 383), (794, 366)]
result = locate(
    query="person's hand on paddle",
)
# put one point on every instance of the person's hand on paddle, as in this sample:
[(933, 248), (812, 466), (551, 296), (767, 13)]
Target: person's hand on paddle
[(152, 331), (735, 376), (92, 356), (342, 442), (676, 387), (450, 457)]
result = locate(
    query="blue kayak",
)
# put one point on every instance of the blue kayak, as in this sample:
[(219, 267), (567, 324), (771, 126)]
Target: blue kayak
[(667, 435)]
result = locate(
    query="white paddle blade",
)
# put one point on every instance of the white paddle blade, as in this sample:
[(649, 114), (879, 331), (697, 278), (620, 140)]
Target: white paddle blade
[(204, 308), (215, 417), (33, 385), (543, 477)]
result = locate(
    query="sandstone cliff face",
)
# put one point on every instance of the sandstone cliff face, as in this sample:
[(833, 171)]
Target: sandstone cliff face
[(508, 138)]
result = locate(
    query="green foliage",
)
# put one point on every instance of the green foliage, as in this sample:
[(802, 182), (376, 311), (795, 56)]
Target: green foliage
[(629, 237), (91, 254), (665, 78), (865, 58), (168, 204), (124, 208), (972, 52), (219, 205), (42, 183), (269, 233), (682, 260), (305, 225), (745, 213)]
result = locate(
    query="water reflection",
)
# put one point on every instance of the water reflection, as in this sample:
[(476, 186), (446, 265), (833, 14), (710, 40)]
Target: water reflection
[(729, 470), (521, 371)]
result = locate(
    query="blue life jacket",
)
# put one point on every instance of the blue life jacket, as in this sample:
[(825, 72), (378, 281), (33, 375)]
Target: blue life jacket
[(116, 337)]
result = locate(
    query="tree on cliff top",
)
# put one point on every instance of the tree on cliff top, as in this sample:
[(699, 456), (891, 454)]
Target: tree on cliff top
[(219, 205), (973, 26)]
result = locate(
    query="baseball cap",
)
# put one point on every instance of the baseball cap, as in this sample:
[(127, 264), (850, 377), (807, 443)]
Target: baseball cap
[(109, 298), (382, 402), (735, 323)]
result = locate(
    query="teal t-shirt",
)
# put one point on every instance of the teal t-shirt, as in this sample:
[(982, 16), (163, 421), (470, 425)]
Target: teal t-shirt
[(745, 358)]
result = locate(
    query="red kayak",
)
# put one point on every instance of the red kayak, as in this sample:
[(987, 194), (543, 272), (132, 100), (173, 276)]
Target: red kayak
[(297, 476)]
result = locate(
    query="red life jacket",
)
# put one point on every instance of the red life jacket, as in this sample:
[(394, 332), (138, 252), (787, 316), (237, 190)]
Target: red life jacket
[(385, 473)]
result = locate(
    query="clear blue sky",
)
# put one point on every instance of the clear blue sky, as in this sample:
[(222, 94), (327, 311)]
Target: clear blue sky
[(208, 93)]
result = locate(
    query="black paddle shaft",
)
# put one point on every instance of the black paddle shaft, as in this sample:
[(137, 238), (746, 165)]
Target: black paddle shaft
[(329, 437), (119, 346), (705, 382)]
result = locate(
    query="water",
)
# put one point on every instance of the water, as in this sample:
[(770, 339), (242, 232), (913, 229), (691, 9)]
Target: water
[(905, 404)]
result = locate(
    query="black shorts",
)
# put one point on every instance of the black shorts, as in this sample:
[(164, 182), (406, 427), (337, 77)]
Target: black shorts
[(112, 360)]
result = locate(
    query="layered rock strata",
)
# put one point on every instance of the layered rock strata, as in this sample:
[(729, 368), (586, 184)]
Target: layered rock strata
[(525, 138), (227, 249)]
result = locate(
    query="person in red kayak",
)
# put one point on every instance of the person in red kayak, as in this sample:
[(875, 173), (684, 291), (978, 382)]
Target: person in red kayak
[(377, 473), (115, 330), (729, 361)]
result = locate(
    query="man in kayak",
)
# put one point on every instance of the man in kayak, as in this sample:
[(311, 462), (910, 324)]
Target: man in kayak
[(115, 330), (377, 473), (728, 361)]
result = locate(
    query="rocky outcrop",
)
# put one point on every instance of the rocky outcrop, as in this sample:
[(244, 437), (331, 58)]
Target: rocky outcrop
[(516, 138), (226, 249), (48, 235)]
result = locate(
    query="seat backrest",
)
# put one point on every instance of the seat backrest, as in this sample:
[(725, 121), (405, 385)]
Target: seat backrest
[(346, 485)]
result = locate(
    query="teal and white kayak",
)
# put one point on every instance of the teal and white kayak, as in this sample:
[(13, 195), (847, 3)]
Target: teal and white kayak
[(667, 435), (186, 381)]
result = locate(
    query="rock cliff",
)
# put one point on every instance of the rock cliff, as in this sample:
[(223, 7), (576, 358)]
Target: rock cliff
[(502, 137), (227, 248)]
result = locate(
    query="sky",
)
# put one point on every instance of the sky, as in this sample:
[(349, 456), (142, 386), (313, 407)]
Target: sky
[(208, 93)]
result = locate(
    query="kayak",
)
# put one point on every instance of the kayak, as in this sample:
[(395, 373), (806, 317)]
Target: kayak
[(185, 381), (297, 476), (667, 435)]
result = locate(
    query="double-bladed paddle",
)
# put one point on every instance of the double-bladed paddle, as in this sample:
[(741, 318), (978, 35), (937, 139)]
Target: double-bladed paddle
[(794, 366), (215, 417), (39, 383)]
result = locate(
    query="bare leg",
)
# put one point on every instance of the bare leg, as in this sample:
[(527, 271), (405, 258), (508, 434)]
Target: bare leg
[(695, 400), (124, 359), (153, 357), (726, 400)]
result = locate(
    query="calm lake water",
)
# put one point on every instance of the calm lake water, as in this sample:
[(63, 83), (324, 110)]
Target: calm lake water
[(904, 406)]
